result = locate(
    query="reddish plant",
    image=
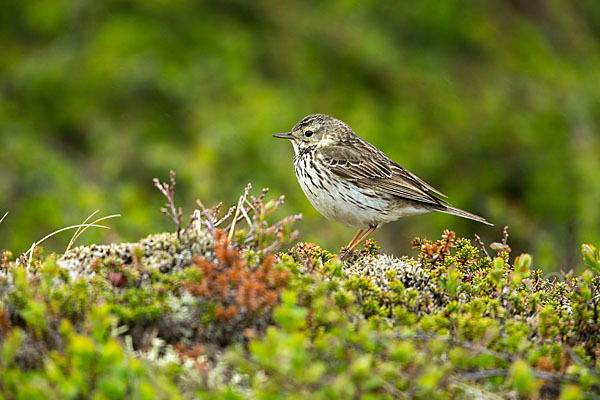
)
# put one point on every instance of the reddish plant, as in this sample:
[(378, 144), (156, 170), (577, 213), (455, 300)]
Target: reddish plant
[(235, 286)]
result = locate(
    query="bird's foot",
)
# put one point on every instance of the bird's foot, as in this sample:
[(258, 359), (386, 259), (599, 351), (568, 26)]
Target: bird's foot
[(345, 252)]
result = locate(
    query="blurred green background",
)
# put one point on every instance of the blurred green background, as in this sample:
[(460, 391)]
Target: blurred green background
[(495, 103)]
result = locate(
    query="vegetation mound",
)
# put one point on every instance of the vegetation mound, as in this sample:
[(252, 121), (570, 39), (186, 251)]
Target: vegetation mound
[(217, 312)]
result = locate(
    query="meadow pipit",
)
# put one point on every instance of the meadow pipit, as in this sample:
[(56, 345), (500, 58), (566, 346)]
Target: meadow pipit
[(350, 181)]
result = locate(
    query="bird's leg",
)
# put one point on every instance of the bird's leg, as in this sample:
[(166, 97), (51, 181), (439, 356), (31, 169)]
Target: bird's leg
[(355, 237), (349, 245), (363, 237), (354, 243)]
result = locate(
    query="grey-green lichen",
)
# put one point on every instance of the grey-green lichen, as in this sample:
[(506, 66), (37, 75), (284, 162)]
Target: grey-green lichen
[(382, 270), (163, 251)]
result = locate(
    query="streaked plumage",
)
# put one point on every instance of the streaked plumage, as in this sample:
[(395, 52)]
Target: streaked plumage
[(350, 181)]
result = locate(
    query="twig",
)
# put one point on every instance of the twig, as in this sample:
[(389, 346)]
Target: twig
[(210, 215), (502, 247), (236, 217), (232, 224), (278, 203), (477, 375), (420, 336), (482, 374), (279, 225), (245, 215), (505, 237), (168, 191), (251, 209), (481, 245), (229, 213), (475, 392), (260, 196)]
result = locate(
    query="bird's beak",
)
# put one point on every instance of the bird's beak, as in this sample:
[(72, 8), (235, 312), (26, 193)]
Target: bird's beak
[(286, 135)]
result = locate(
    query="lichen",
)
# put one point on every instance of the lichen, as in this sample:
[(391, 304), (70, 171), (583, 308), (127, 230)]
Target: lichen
[(164, 252)]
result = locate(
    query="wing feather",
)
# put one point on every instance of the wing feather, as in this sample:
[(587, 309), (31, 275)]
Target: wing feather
[(372, 169)]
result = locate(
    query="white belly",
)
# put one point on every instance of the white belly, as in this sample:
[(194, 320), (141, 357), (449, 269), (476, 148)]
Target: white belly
[(341, 201)]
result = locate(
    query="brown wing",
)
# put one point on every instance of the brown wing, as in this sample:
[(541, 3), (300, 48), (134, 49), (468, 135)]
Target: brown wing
[(371, 168)]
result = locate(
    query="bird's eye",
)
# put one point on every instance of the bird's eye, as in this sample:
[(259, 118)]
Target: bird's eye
[(308, 133)]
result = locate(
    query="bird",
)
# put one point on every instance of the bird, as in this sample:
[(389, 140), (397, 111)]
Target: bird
[(349, 180)]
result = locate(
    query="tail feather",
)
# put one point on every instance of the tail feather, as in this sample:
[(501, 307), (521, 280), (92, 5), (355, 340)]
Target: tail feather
[(464, 214)]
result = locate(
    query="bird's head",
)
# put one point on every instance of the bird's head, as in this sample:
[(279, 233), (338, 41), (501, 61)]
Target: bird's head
[(316, 129)]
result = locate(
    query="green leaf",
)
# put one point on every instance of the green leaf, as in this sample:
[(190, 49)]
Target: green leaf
[(591, 256), (523, 378), (571, 392), (523, 265), (452, 280)]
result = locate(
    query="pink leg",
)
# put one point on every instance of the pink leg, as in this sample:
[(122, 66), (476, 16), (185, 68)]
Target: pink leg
[(357, 242), (355, 237)]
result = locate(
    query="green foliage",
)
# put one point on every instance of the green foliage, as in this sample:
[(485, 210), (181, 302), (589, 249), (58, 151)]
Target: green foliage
[(92, 364), (236, 321), (487, 347), (523, 378), (591, 256)]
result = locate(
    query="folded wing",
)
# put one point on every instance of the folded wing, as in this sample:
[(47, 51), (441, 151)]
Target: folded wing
[(371, 168)]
